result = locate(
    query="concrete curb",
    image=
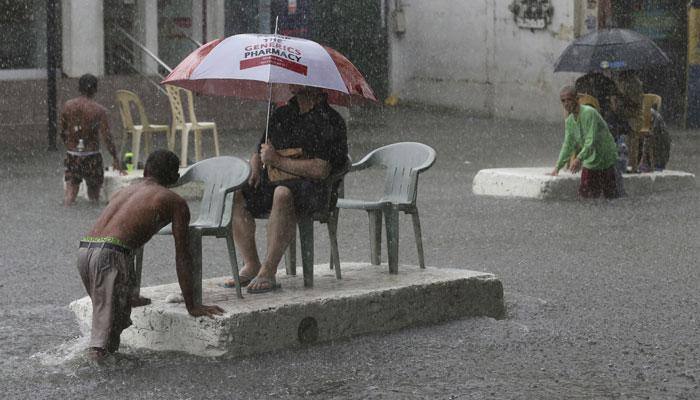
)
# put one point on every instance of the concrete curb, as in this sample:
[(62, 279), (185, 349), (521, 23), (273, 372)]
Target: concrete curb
[(533, 183), (368, 299)]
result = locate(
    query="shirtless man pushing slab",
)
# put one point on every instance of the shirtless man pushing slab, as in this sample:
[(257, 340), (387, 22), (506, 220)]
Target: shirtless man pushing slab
[(105, 257)]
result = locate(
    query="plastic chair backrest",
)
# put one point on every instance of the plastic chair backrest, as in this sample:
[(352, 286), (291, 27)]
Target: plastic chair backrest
[(588, 100), (648, 101), (175, 105), (125, 110), (403, 162), (125, 98), (190, 106), (221, 176)]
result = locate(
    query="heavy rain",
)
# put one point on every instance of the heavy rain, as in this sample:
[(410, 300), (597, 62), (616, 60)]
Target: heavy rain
[(575, 297)]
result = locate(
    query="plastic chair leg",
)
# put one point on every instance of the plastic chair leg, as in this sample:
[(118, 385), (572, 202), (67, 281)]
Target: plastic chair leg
[(419, 238), (196, 252), (138, 268), (375, 236), (333, 237), (136, 147), (391, 220), (197, 145), (290, 256), (306, 236), (147, 143), (234, 264), (122, 149), (216, 141), (171, 139), (184, 140)]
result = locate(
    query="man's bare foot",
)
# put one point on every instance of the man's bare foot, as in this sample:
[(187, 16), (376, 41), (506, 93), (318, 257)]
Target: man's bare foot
[(140, 301), (96, 354), (246, 274)]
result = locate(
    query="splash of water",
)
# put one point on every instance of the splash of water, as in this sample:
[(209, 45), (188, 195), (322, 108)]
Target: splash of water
[(70, 358), (67, 356)]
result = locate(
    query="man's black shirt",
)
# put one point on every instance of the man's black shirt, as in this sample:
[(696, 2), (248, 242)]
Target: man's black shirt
[(320, 133)]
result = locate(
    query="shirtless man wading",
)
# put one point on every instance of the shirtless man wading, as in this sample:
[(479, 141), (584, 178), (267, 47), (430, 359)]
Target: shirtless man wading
[(105, 258), (83, 122)]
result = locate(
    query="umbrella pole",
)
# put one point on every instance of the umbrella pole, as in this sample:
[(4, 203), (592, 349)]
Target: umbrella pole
[(269, 106), (269, 93)]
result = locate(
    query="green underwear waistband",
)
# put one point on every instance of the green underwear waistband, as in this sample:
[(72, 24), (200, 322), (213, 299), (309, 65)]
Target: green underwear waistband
[(104, 239)]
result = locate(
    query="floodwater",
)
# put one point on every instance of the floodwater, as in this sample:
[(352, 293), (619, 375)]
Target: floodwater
[(602, 298)]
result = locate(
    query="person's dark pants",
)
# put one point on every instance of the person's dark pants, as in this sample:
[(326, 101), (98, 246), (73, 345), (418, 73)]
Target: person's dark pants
[(309, 196), (595, 183)]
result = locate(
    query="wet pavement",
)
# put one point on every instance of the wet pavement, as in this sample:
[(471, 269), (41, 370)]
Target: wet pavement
[(602, 297)]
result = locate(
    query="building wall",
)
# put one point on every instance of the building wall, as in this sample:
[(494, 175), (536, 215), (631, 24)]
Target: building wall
[(470, 55), (83, 37)]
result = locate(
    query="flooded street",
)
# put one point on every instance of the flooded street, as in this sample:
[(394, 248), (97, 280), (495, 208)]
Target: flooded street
[(602, 297)]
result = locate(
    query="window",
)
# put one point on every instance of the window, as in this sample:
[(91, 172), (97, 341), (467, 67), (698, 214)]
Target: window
[(23, 26)]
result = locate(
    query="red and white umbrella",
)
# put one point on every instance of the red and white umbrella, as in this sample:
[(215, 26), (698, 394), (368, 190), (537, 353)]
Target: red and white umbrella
[(261, 67)]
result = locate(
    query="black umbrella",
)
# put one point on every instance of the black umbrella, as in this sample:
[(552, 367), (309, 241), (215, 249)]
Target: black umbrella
[(614, 49)]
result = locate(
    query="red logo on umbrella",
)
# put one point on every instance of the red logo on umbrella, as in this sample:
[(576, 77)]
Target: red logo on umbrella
[(276, 61)]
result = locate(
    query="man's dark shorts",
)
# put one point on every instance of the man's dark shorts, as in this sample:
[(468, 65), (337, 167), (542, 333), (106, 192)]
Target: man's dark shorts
[(309, 196), (89, 168)]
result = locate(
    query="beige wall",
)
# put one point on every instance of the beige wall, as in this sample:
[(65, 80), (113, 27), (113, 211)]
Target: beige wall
[(469, 54)]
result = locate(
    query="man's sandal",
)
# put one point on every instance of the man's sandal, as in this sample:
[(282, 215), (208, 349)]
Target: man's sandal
[(272, 285)]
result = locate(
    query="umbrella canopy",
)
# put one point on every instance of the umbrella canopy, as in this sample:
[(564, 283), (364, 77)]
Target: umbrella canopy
[(245, 66), (614, 49)]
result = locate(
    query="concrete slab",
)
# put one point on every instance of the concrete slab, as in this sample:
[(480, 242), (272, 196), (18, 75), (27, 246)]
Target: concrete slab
[(114, 181), (367, 299), (535, 184)]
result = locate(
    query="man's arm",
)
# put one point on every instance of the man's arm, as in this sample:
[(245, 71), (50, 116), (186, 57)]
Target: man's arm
[(109, 141), (589, 125), (314, 168), (567, 149), (255, 167), (183, 259)]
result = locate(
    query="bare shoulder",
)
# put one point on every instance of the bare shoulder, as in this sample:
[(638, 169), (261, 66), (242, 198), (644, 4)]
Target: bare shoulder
[(70, 103), (165, 196)]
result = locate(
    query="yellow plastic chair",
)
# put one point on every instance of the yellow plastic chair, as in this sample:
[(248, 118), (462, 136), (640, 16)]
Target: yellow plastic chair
[(588, 100), (125, 100), (179, 123)]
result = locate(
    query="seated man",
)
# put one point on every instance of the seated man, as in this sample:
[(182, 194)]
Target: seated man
[(306, 142), (628, 104), (599, 86), (586, 130), (105, 256)]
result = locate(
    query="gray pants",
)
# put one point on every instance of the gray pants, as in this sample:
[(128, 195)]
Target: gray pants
[(108, 278)]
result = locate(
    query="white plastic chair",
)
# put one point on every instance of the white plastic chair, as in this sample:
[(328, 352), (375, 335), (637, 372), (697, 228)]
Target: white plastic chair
[(221, 176), (125, 100), (402, 163), (180, 124)]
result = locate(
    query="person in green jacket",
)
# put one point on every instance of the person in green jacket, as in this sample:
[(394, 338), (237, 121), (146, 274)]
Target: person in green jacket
[(587, 135)]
